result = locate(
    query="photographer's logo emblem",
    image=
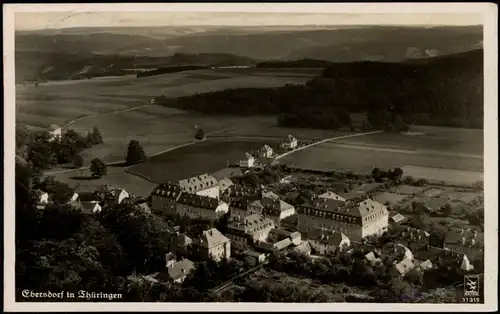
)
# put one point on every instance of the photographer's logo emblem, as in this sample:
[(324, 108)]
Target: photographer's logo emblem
[(471, 285)]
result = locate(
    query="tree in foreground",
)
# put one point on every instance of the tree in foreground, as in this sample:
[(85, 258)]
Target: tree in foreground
[(135, 153), (78, 161), (98, 168), (97, 137)]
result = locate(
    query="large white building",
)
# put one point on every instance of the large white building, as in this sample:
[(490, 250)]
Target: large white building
[(249, 230), (204, 185), (164, 198), (199, 206), (266, 151), (289, 143), (326, 242), (357, 221), (248, 162), (213, 245), (276, 209)]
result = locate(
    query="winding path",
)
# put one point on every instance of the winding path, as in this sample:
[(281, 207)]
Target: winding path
[(104, 114), (324, 141)]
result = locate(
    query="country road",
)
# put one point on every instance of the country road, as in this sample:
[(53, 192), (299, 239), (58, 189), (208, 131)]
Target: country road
[(104, 114), (220, 138), (324, 141)]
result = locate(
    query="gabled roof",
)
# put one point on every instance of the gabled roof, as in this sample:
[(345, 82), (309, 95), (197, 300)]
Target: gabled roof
[(426, 265), (182, 240), (225, 182), (88, 207), (144, 207), (466, 264), (167, 190), (211, 238), (283, 244), (256, 203), (331, 195), (270, 195), (275, 206), (199, 201), (303, 247), (251, 223), (240, 204), (397, 218), (267, 147), (404, 266), (289, 139), (240, 190), (39, 192), (253, 253), (328, 237), (372, 258), (195, 184), (180, 269), (362, 209)]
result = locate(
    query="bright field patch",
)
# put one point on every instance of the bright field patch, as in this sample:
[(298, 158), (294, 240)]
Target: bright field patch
[(332, 157), (203, 157)]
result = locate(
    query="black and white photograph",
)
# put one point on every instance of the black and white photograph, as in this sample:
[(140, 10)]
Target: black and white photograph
[(250, 156)]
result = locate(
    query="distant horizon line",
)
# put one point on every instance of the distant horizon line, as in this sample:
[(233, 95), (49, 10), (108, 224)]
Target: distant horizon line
[(255, 26)]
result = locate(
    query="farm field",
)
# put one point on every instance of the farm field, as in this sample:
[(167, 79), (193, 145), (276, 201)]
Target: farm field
[(160, 128), (61, 101), (419, 157), (204, 157), (427, 138)]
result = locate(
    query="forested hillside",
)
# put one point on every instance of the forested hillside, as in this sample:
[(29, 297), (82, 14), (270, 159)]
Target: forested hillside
[(42, 66), (446, 91)]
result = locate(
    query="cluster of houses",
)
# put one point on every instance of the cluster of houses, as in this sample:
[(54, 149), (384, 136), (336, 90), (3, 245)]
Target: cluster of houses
[(266, 154), (259, 224), (93, 202)]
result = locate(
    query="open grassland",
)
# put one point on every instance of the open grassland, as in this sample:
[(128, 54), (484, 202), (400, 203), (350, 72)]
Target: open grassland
[(426, 138), (419, 157), (204, 157), (116, 176), (160, 128), (61, 101)]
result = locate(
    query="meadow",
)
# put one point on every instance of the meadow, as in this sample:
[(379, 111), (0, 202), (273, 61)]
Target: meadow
[(61, 101), (418, 155), (118, 107), (203, 157)]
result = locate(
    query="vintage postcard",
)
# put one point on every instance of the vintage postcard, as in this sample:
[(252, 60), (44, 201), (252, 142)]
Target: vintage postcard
[(223, 156)]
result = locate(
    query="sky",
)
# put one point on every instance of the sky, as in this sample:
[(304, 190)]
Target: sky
[(57, 20)]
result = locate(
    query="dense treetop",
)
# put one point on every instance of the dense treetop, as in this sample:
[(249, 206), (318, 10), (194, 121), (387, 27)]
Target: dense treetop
[(444, 91)]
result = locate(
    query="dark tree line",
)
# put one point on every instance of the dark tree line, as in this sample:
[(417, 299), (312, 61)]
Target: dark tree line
[(303, 63), (392, 174), (445, 91), (172, 69)]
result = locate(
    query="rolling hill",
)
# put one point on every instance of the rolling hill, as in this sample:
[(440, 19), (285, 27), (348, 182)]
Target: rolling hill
[(35, 66), (338, 44)]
